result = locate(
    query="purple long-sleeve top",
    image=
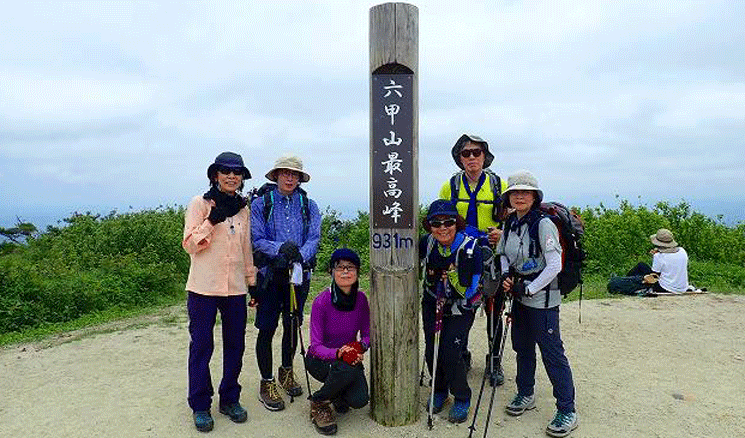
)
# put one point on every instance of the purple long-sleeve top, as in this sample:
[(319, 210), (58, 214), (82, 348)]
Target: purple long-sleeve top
[(330, 328)]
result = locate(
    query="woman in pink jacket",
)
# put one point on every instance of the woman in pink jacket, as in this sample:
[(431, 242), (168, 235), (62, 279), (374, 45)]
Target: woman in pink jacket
[(217, 237)]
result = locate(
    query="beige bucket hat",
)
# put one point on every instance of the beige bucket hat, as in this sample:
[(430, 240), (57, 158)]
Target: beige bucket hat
[(291, 162), (521, 180), (664, 240)]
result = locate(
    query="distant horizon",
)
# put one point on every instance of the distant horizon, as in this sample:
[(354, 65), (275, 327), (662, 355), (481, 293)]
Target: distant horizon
[(731, 214)]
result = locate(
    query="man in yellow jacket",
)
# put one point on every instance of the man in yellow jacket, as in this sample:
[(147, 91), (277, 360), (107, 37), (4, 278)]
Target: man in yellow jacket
[(475, 190)]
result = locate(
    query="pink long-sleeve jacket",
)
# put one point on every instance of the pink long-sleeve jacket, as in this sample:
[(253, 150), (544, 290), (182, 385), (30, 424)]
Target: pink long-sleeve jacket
[(221, 255)]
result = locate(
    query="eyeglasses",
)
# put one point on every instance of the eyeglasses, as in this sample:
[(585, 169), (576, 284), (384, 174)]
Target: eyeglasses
[(465, 153), (228, 170), (287, 173), (446, 223), (345, 268)]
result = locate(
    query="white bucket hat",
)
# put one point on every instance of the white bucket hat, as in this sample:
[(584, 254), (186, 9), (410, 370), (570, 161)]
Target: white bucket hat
[(663, 239), (521, 180), (291, 162)]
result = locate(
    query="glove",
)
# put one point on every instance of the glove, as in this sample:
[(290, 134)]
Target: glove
[(290, 252), (351, 355), (518, 289), (280, 262), (217, 214)]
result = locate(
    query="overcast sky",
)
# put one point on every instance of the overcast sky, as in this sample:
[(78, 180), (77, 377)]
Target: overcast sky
[(115, 104)]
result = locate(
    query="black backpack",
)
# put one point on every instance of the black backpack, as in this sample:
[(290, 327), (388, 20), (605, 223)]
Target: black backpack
[(496, 188), (571, 229), (266, 192)]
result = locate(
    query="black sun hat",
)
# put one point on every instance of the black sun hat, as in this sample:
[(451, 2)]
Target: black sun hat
[(227, 159)]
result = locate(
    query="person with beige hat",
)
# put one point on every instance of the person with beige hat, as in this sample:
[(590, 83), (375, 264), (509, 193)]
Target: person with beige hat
[(286, 230), (530, 265), (669, 262)]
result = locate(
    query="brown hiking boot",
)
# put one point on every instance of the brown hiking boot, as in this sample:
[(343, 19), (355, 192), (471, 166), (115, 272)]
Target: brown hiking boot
[(323, 417), (287, 381), (269, 395)]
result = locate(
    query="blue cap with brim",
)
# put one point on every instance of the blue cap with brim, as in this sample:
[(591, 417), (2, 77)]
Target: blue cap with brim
[(441, 208)]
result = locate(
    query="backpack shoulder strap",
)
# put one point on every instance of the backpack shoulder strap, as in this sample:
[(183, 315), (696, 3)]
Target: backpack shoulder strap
[(455, 182), (495, 182), (535, 246)]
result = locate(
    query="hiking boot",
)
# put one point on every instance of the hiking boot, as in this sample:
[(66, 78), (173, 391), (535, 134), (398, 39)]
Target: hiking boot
[(520, 404), (203, 421), (287, 382), (323, 417), (439, 402), (459, 411), (235, 411), (340, 405), (563, 424), (269, 395), (497, 377)]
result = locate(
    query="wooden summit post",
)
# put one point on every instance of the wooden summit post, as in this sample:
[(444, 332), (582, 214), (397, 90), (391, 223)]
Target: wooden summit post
[(394, 211)]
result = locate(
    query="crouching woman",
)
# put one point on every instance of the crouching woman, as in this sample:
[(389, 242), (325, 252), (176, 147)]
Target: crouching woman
[(339, 338), (453, 266)]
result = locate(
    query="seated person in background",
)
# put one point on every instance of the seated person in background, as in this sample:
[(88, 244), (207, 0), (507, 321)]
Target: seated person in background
[(669, 262)]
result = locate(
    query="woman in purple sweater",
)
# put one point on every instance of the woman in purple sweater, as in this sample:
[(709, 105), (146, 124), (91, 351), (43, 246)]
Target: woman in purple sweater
[(335, 355)]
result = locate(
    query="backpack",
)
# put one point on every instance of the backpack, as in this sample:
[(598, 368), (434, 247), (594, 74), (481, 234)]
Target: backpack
[(496, 188), (266, 192), (571, 229), (465, 270)]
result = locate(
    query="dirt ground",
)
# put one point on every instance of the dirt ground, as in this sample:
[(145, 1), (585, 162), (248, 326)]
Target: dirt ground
[(643, 367)]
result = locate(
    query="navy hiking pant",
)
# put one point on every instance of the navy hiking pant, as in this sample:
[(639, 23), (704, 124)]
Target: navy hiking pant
[(531, 326), (202, 314)]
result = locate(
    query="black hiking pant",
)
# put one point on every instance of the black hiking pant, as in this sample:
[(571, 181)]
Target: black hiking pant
[(341, 381), (450, 375)]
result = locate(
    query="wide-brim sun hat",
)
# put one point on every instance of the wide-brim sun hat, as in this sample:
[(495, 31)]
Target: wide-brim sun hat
[(461, 143), (663, 239), (521, 180), (227, 159), (291, 162), (441, 207)]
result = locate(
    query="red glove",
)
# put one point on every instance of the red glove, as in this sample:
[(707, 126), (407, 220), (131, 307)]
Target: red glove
[(352, 354)]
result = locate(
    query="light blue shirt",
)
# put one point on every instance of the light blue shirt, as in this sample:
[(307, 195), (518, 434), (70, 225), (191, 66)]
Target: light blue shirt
[(285, 224)]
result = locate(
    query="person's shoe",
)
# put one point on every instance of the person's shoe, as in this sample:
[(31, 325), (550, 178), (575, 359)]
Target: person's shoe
[(439, 402), (323, 417), (235, 411), (340, 406), (563, 424), (287, 382), (520, 404), (269, 395), (459, 411), (203, 421), (497, 377), (467, 360)]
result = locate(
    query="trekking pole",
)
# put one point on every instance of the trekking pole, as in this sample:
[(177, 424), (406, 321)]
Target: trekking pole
[(490, 308), (421, 375), (439, 308), (508, 317), (296, 323)]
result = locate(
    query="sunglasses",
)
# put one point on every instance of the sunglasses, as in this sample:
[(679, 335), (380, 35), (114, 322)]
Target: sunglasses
[(345, 268), (228, 170), (446, 223), (465, 153)]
